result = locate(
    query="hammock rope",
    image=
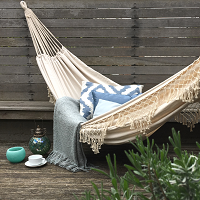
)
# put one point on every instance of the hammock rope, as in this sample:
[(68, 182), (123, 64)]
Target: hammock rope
[(64, 73)]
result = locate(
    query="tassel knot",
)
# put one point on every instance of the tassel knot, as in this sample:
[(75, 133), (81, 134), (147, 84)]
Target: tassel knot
[(23, 5)]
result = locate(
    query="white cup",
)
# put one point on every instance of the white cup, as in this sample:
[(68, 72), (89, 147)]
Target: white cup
[(35, 159)]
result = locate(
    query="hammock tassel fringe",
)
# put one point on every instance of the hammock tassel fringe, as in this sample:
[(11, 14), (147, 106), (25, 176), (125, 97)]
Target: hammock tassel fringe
[(94, 134)]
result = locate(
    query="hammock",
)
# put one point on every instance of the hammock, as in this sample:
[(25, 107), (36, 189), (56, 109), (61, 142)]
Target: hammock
[(64, 73)]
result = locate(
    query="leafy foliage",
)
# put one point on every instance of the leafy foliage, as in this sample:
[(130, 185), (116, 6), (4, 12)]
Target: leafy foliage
[(152, 171)]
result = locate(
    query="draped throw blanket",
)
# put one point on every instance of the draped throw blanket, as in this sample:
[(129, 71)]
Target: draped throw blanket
[(64, 73), (67, 150)]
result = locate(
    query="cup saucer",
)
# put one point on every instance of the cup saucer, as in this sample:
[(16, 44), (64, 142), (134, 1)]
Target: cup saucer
[(28, 164)]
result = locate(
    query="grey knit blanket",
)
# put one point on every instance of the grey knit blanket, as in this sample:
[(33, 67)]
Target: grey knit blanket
[(67, 150)]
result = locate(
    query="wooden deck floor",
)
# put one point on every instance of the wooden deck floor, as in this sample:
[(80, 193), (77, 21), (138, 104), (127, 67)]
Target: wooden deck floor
[(47, 182), (52, 182)]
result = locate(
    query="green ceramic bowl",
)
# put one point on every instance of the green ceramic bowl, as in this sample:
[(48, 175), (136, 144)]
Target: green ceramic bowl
[(15, 154)]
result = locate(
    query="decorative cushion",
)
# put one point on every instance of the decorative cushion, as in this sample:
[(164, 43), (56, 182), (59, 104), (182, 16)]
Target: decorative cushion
[(117, 98), (86, 100), (104, 106)]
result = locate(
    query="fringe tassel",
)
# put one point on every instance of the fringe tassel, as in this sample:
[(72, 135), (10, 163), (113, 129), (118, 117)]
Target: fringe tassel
[(140, 117), (61, 160), (189, 116), (94, 135), (142, 124), (190, 94), (51, 97)]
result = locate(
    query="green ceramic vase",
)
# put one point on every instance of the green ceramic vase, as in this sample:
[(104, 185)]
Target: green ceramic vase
[(15, 154), (39, 143)]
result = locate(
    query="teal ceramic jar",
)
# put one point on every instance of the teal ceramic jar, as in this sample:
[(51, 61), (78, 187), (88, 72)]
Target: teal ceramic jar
[(39, 143), (15, 154)]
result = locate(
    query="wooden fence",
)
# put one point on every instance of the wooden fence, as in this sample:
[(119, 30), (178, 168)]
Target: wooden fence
[(129, 41)]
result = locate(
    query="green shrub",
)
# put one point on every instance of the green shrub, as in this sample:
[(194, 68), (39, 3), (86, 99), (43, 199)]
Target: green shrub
[(152, 171)]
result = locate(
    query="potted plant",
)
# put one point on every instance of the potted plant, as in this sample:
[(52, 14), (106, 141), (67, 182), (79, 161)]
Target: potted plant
[(151, 170)]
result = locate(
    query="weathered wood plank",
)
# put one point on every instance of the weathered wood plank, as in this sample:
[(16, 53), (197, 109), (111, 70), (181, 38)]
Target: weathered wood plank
[(135, 51), (71, 23), (69, 32), (107, 23), (14, 32), (103, 13), (166, 51), (124, 61), (167, 32), (114, 69), (15, 130), (147, 86), (41, 94), (105, 61), (170, 70), (163, 22), (6, 79), (19, 69), (16, 51), (133, 42), (26, 115), (101, 4), (107, 42), (164, 12), (150, 79), (140, 51), (21, 79), (108, 32), (70, 13), (15, 96), (22, 87), (69, 4), (140, 61), (14, 60), (123, 79), (23, 96), (27, 105), (138, 79), (165, 3)]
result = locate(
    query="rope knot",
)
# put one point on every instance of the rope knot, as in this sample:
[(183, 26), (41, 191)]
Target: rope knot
[(23, 5)]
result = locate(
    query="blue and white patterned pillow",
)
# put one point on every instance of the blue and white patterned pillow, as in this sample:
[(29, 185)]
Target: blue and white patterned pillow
[(86, 100)]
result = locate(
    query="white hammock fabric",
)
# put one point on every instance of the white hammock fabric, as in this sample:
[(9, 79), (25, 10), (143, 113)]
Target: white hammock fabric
[(64, 73)]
